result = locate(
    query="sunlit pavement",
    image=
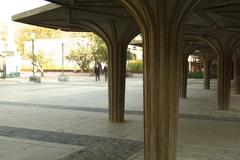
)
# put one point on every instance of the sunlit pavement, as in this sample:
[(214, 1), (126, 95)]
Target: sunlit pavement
[(69, 120)]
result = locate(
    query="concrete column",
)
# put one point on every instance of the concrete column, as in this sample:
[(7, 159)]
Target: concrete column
[(224, 82), (207, 73), (116, 83), (120, 35), (160, 22), (236, 61), (184, 75), (161, 76), (190, 66), (117, 34), (224, 44)]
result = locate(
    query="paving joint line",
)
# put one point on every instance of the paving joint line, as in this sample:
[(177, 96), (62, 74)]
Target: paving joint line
[(130, 112)]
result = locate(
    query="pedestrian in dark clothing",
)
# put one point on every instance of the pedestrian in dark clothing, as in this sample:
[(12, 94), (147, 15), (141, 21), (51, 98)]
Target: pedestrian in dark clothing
[(97, 71), (105, 70)]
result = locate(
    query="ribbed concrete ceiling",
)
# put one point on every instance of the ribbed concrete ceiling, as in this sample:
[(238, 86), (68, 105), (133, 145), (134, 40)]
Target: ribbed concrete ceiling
[(70, 17), (212, 16), (215, 15)]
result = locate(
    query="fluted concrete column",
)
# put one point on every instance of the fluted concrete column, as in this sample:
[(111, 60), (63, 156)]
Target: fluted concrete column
[(116, 83), (184, 75), (121, 35), (236, 60), (224, 82), (117, 34), (160, 22), (225, 45), (207, 73)]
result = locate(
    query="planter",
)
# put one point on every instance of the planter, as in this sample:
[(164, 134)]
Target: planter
[(63, 78), (35, 79)]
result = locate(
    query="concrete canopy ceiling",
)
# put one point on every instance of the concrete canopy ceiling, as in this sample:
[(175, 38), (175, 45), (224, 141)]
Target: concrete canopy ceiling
[(51, 16), (74, 17), (211, 16), (221, 15)]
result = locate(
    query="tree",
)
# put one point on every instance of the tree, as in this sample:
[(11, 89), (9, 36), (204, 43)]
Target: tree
[(39, 60), (129, 55), (98, 47), (82, 56)]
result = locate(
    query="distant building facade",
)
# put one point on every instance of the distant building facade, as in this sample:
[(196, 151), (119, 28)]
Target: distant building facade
[(10, 60), (52, 50)]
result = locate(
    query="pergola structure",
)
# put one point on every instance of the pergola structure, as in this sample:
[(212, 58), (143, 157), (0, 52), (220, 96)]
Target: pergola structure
[(171, 29)]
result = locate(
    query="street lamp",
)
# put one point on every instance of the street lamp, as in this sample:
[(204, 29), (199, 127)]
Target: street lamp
[(62, 77), (33, 55), (62, 58)]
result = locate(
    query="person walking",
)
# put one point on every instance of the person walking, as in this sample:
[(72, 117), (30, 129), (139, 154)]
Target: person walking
[(97, 71), (105, 70)]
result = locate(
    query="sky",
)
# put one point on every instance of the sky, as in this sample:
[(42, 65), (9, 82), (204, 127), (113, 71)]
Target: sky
[(10, 7)]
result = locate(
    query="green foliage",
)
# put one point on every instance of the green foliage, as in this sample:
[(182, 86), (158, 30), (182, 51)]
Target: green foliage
[(134, 56), (214, 71), (98, 47), (195, 75), (39, 60), (129, 55), (135, 66), (82, 56), (35, 79)]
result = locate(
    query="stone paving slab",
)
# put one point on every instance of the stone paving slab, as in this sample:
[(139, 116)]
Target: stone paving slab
[(95, 148), (79, 93), (100, 151), (217, 116), (23, 149), (71, 121), (196, 152), (64, 113)]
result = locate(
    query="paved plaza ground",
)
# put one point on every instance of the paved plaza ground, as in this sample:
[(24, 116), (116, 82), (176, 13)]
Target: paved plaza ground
[(69, 121)]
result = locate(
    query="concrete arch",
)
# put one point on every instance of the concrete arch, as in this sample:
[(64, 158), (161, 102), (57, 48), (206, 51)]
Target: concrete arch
[(161, 24), (115, 29), (117, 36), (225, 49), (224, 64), (189, 47), (95, 28), (207, 69), (236, 61), (205, 40), (117, 45)]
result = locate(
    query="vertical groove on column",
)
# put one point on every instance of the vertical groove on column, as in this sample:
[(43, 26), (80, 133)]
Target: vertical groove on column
[(224, 83), (117, 71), (160, 22), (121, 35), (224, 47), (184, 74), (237, 74), (207, 74)]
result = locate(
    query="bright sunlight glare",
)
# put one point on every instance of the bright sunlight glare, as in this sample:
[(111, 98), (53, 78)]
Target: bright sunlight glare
[(8, 8)]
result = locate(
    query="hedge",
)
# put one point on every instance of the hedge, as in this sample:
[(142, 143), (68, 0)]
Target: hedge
[(135, 66)]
